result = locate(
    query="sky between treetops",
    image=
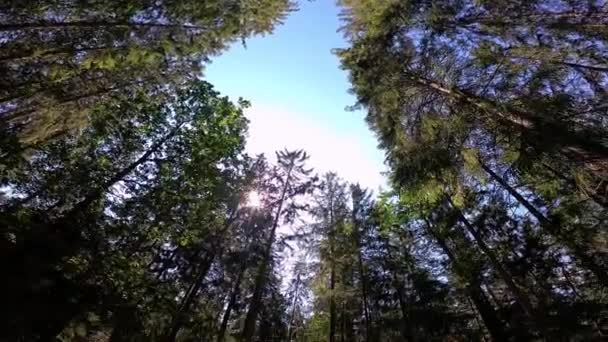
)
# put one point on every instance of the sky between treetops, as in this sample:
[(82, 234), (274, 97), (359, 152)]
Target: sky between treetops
[(299, 95)]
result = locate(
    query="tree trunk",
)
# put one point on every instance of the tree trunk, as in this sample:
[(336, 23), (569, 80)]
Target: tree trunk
[(197, 283), (233, 296), (332, 301), (577, 146), (362, 275), (520, 296), (48, 25), (252, 313), (550, 20), (332, 276), (405, 326), (61, 238), (12, 116), (293, 309), (254, 306), (473, 289), (598, 198), (551, 227), (190, 296)]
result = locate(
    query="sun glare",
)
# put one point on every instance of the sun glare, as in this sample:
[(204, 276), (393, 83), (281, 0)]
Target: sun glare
[(254, 199)]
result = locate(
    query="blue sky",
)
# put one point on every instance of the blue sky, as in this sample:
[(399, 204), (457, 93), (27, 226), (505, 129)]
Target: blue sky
[(299, 94)]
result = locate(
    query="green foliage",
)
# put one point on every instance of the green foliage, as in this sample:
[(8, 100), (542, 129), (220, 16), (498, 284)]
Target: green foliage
[(145, 174), (139, 227), (60, 59), (479, 107)]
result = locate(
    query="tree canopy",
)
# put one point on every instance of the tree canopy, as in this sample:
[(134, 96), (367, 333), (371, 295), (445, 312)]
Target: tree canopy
[(131, 211)]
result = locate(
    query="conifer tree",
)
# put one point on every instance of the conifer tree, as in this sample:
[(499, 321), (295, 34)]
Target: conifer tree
[(60, 58)]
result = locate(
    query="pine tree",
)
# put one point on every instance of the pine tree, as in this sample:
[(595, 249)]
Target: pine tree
[(60, 58), (286, 182)]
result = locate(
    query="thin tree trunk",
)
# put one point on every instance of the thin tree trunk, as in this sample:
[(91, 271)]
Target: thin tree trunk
[(197, 283), (62, 234), (343, 324), (233, 296), (68, 51), (583, 19), (586, 151), (551, 227), (597, 198), (96, 194), (48, 25), (487, 312), (332, 277), (293, 309), (520, 297), (332, 304), (252, 313), (61, 237), (14, 115), (405, 326), (363, 276), (190, 296)]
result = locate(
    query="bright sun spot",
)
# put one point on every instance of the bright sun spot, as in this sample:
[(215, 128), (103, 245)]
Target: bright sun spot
[(254, 199)]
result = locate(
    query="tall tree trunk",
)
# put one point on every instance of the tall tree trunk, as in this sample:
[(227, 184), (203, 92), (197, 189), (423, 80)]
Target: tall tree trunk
[(405, 326), (332, 300), (233, 296), (332, 276), (260, 280), (599, 198), (551, 227), (344, 322), (549, 20), (96, 194), (254, 306), (362, 275), (293, 309), (519, 295), (190, 296), (197, 283), (366, 314), (579, 147), (403, 307), (48, 25), (493, 323), (20, 115)]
